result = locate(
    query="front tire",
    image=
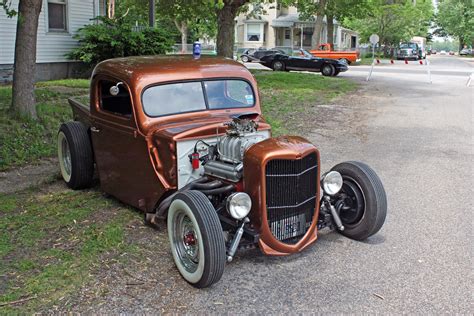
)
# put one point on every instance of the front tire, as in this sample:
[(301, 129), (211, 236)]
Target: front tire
[(244, 59), (278, 66), (76, 160), (365, 202), (328, 70), (196, 239)]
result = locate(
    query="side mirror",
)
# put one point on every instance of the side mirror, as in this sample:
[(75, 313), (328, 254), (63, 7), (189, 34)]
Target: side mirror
[(114, 90)]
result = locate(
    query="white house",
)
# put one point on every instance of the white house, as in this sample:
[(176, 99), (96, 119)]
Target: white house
[(59, 21), (277, 26)]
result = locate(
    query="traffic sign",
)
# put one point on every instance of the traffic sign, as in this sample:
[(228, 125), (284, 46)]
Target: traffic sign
[(374, 39)]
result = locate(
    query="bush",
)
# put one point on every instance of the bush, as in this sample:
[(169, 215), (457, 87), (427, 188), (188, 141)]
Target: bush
[(118, 38)]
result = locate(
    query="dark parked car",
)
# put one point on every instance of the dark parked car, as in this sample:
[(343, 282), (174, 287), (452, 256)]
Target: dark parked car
[(250, 55), (409, 51), (306, 61)]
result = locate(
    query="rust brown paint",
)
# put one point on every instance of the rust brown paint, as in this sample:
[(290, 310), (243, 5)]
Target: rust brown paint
[(151, 142), (142, 167), (256, 158)]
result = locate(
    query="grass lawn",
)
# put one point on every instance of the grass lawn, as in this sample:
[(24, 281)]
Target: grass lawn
[(53, 241), (27, 141)]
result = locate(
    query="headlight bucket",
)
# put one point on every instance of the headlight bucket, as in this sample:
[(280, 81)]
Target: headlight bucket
[(332, 182), (238, 205)]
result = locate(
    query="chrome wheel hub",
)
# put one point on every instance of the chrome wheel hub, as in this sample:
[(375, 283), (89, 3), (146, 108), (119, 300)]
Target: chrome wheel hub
[(186, 242)]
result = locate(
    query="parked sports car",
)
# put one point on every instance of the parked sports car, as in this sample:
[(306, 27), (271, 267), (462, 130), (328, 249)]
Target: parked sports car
[(250, 55), (306, 61)]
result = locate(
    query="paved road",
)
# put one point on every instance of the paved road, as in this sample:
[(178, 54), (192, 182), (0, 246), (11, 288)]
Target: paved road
[(419, 138)]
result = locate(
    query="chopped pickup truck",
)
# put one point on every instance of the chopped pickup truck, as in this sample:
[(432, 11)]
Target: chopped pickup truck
[(184, 140), (326, 51)]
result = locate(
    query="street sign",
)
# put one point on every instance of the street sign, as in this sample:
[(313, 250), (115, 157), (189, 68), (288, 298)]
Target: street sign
[(374, 39)]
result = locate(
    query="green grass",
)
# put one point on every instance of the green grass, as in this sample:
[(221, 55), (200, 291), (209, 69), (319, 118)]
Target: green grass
[(24, 141), (49, 241), (286, 96)]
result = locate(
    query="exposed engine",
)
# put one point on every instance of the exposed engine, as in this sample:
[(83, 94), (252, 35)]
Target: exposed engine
[(225, 158)]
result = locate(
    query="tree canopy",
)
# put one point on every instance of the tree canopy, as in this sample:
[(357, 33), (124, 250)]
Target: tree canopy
[(456, 18), (393, 20)]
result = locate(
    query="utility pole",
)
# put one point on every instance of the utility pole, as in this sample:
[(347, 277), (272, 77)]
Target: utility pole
[(151, 13)]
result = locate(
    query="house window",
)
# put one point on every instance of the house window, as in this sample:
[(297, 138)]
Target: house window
[(57, 15), (253, 32)]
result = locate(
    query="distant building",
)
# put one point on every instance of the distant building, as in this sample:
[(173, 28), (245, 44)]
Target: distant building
[(278, 26), (59, 21)]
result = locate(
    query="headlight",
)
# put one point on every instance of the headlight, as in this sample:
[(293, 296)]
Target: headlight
[(239, 205), (332, 182)]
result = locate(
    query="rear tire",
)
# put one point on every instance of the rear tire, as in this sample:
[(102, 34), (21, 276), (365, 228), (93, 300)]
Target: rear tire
[(278, 66), (364, 198), (76, 160), (196, 239), (328, 70)]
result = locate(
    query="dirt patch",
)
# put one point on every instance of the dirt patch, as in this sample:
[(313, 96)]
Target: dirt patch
[(18, 179)]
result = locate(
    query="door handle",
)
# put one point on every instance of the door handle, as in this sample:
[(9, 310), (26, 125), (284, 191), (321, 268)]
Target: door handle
[(95, 129)]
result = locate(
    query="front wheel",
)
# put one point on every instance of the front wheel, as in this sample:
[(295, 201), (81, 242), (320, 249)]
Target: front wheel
[(362, 200), (278, 66), (328, 70), (244, 59), (196, 239)]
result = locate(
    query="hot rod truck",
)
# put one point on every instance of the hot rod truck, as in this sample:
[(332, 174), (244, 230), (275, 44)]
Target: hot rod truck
[(184, 140)]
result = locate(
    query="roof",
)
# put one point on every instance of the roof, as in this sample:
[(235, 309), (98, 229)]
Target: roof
[(289, 20), (142, 70)]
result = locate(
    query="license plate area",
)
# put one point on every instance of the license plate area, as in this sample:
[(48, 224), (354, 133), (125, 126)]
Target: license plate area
[(289, 227)]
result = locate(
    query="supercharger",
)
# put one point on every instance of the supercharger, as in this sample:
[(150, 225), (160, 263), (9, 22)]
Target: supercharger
[(226, 157)]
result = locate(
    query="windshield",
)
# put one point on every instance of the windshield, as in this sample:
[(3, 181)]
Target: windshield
[(409, 45), (182, 97), (306, 54)]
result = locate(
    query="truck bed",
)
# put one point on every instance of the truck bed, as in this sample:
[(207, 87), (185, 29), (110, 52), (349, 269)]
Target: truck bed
[(80, 111)]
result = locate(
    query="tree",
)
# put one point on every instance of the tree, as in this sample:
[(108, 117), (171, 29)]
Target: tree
[(226, 12), (393, 20), (23, 94), (196, 16), (456, 18)]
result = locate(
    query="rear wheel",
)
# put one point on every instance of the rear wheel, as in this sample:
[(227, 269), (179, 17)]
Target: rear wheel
[(328, 70), (363, 199), (76, 160), (278, 66), (196, 239)]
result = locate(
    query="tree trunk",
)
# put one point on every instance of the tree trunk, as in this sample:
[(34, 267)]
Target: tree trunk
[(225, 26), (318, 26), (225, 30), (183, 29), (23, 94), (330, 24)]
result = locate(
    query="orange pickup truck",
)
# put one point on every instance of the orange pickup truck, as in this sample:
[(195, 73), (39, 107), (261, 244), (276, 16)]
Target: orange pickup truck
[(326, 51)]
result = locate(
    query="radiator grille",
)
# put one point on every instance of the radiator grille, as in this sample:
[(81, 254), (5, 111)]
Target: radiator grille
[(291, 187)]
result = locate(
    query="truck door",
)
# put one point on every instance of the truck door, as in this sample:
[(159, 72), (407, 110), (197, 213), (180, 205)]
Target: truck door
[(121, 155)]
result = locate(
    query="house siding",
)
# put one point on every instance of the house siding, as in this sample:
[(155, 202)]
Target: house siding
[(51, 46)]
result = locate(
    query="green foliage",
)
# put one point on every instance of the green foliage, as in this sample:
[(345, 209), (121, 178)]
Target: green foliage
[(393, 21), (456, 18), (6, 5), (25, 140), (116, 38)]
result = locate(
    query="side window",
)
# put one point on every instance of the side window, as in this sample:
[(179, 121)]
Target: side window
[(119, 104)]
